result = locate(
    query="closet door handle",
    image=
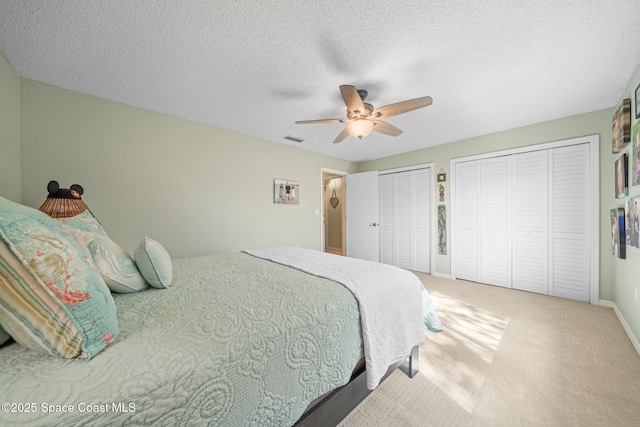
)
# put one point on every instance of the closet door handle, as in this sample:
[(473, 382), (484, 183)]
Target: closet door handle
[(373, 224)]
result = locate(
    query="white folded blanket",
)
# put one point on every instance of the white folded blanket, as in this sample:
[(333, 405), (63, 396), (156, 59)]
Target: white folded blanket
[(394, 306)]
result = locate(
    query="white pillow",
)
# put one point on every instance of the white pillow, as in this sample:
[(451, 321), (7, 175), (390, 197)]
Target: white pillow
[(117, 268), (154, 263)]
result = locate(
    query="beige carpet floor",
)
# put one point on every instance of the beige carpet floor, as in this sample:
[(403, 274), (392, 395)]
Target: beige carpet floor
[(512, 358)]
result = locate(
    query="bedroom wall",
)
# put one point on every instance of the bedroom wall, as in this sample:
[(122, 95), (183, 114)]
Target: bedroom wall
[(597, 122), (9, 132), (196, 189), (626, 274)]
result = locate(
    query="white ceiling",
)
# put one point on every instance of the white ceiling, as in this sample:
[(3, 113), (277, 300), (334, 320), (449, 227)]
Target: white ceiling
[(256, 67)]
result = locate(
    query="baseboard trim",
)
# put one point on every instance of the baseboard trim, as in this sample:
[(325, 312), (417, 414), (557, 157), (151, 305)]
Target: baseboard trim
[(441, 275), (623, 322)]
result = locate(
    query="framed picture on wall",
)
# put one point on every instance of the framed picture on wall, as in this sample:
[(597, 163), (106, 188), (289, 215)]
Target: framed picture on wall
[(632, 222), (635, 224), (635, 155), (621, 126), (638, 101), (286, 192), (621, 178), (618, 239)]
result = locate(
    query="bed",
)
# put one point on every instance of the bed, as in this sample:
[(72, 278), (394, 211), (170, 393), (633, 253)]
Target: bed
[(236, 340)]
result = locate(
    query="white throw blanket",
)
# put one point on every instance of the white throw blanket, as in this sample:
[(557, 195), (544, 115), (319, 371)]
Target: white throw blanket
[(390, 301)]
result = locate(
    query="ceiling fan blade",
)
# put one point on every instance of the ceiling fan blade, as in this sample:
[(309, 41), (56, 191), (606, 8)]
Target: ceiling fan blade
[(341, 136), (352, 99), (306, 122), (401, 107), (385, 128)]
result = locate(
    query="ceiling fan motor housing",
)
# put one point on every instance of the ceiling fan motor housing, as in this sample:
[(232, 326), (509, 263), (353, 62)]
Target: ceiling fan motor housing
[(357, 114)]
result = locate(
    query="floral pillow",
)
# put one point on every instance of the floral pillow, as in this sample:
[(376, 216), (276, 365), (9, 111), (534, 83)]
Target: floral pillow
[(85, 227), (52, 298)]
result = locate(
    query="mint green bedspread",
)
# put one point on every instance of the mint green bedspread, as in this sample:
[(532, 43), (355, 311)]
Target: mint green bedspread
[(235, 341)]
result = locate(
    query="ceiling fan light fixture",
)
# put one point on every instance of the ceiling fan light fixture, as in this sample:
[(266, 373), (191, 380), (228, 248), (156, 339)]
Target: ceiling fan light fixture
[(360, 128)]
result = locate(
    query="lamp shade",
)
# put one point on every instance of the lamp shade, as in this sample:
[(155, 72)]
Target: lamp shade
[(360, 128), (64, 202)]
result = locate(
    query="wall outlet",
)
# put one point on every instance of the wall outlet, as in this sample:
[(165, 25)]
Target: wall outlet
[(635, 293)]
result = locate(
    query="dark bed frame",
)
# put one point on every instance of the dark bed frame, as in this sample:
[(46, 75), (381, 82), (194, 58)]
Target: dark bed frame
[(341, 401)]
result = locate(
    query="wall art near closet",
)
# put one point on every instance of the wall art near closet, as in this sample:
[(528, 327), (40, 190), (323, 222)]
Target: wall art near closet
[(632, 222), (635, 155), (622, 176), (618, 231), (621, 126), (286, 191), (638, 102), (442, 229)]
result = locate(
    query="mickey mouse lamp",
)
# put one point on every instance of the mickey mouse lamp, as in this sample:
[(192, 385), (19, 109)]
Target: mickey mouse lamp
[(64, 202)]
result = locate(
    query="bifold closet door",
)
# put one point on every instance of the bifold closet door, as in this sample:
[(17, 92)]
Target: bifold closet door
[(405, 219), (421, 180), (495, 218), (569, 242), (529, 216), (467, 212)]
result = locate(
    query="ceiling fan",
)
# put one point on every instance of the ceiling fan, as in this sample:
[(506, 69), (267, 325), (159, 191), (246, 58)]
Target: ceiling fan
[(362, 118)]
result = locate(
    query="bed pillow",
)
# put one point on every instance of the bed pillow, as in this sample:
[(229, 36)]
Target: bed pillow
[(117, 268), (154, 263), (8, 205), (84, 226), (52, 298)]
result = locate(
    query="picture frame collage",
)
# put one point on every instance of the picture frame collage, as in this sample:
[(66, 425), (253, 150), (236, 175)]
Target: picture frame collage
[(625, 145)]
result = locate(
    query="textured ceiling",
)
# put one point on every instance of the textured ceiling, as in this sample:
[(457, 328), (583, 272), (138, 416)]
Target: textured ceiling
[(257, 67)]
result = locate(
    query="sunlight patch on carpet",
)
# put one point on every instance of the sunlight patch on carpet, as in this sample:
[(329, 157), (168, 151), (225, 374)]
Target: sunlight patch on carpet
[(458, 359)]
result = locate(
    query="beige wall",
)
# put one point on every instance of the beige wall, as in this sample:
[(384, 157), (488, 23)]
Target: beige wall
[(195, 188), (9, 132)]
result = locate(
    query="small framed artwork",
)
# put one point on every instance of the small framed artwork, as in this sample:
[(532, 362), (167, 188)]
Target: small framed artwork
[(635, 155), (618, 240), (621, 178), (621, 126), (286, 192), (632, 222), (638, 102)]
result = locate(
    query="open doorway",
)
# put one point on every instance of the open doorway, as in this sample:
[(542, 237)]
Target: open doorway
[(333, 211)]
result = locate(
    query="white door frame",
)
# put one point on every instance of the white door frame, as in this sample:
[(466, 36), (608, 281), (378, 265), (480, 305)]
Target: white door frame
[(324, 170), (594, 153)]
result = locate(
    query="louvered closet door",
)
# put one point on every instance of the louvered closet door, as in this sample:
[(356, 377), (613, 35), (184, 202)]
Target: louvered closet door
[(402, 192), (569, 222), (467, 210), (387, 223), (530, 222), (495, 219), (421, 219)]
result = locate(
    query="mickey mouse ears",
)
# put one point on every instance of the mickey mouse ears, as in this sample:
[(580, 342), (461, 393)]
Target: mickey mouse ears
[(55, 192), (64, 202)]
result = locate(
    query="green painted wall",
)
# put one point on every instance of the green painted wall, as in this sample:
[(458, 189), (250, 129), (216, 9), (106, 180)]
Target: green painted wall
[(598, 122), (626, 272), (618, 278), (196, 189), (9, 132)]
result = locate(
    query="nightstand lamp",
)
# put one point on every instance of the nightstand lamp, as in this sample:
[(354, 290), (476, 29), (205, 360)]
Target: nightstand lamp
[(64, 202)]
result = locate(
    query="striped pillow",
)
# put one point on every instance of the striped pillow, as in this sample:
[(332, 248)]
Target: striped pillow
[(52, 299)]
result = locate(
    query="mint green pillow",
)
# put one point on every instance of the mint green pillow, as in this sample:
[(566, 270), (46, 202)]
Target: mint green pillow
[(8, 205), (117, 268), (154, 263), (84, 226), (52, 297)]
